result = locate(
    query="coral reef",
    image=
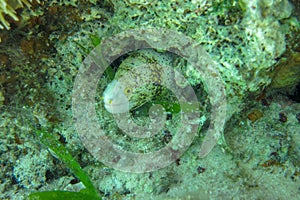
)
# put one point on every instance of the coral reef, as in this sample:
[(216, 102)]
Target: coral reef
[(40, 59), (245, 44)]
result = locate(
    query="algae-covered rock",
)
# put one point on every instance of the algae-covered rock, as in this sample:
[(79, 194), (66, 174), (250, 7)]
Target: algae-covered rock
[(287, 72), (245, 37)]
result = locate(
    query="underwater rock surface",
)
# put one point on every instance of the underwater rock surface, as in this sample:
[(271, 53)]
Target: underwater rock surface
[(40, 56)]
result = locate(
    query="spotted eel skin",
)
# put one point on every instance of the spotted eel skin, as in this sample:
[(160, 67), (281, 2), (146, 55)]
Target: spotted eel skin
[(138, 79)]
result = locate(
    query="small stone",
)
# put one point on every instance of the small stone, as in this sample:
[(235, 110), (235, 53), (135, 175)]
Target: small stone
[(255, 115)]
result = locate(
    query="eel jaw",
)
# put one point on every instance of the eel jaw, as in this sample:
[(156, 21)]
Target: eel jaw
[(115, 101)]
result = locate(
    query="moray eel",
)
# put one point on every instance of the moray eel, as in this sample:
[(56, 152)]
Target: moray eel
[(138, 79)]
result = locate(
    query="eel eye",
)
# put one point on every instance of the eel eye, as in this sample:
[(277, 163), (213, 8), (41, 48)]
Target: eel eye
[(127, 91)]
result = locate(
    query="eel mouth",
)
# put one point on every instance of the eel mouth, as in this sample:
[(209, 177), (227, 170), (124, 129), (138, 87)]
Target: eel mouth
[(117, 107)]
